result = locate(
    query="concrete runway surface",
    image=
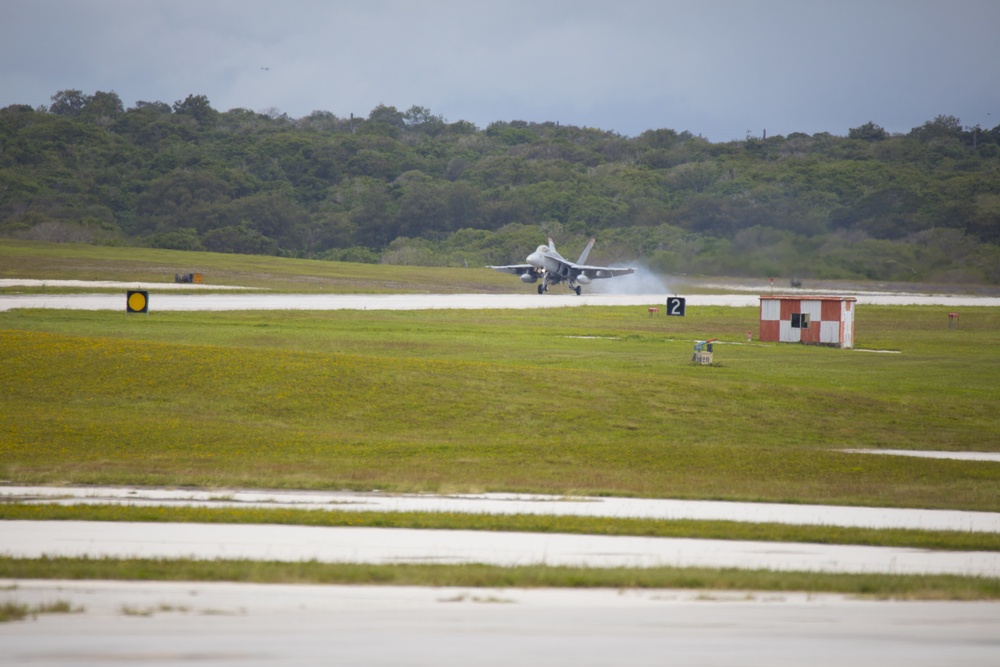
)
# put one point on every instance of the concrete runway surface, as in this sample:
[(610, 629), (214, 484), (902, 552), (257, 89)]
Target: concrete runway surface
[(220, 302), (28, 539), (286, 543), (518, 503), (248, 625), (32, 539)]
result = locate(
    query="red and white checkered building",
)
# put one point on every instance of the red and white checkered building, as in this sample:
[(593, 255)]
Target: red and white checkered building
[(818, 320)]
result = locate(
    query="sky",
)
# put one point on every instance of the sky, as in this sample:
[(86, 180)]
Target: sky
[(721, 69)]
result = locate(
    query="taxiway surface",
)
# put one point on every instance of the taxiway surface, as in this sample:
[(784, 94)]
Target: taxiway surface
[(33, 539), (518, 503), (161, 623), (382, 546)]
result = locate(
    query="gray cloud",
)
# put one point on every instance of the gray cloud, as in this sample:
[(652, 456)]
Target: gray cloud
[(718, 68)]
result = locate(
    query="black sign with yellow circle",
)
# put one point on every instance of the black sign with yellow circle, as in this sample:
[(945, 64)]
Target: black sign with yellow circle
[(137, 301)]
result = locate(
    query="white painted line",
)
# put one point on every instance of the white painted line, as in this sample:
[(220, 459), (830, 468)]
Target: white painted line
[(957, 456)]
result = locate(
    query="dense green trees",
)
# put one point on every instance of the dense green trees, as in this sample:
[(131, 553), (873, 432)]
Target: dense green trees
[(407, 186)]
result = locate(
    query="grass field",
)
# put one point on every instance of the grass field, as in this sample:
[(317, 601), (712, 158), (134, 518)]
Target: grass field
[(53, 261), (587, 400), (566, 401)]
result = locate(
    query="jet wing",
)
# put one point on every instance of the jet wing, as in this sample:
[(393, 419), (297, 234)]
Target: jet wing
[(594, 272), (516, 269)]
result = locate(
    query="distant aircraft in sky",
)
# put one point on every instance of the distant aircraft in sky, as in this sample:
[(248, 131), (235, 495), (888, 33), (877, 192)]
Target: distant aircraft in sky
[(553, 268)]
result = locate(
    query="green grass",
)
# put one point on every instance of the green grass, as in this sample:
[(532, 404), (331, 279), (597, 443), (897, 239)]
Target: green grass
[(12, 610), (724, 530), (568, 401), (929, 587), (56, 261)]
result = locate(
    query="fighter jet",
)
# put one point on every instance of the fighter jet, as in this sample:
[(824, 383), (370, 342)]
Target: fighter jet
[(553, 268)]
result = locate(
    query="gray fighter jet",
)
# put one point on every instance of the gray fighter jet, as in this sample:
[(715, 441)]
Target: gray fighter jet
[(553, 268)]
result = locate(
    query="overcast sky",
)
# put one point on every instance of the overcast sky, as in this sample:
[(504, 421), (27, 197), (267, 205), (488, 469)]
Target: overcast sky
[(722, 69)]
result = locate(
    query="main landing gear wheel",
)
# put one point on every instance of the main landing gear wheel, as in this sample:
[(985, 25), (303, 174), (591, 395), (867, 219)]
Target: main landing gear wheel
[(578, 289), (541, 289)]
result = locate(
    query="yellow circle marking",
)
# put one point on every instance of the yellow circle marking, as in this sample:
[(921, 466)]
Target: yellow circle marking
[(137, 301)]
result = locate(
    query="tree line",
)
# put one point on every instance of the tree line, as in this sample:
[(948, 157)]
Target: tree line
[(410, 187)]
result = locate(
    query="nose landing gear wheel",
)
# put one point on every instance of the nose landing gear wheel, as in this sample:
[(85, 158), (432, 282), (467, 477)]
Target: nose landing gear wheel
[(541, 289)]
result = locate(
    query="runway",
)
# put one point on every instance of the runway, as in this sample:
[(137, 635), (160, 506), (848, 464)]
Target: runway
[(225, 302), (160, 623)]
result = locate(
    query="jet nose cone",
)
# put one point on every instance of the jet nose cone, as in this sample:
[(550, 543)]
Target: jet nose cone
[(535, 259)]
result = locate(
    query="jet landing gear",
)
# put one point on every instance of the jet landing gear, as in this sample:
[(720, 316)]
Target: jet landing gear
[(542, 289)]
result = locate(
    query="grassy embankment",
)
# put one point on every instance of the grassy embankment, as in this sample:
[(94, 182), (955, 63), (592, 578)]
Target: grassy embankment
[(52, 261), (576, 401)]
